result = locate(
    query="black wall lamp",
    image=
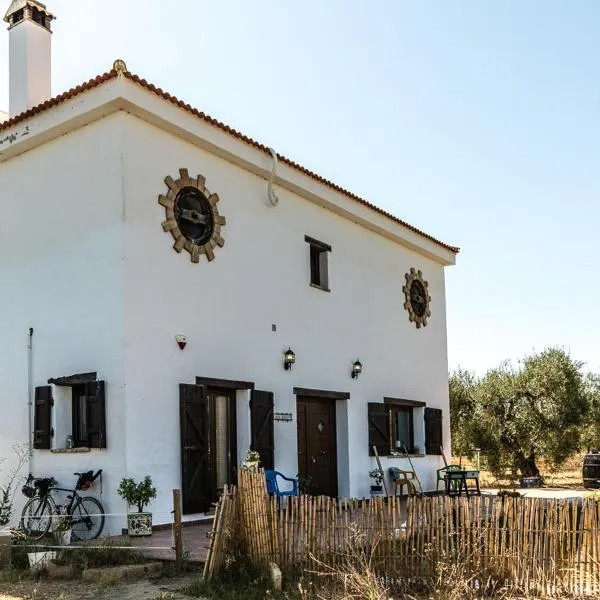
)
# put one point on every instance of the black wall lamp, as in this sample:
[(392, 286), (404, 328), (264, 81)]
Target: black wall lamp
[(289, 358), (356, 369)]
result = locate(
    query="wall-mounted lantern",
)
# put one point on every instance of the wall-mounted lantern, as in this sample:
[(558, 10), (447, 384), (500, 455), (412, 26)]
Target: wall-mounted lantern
[(356, 369), (289, 358)]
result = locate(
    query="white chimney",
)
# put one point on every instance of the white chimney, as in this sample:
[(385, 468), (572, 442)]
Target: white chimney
[(29, 24)]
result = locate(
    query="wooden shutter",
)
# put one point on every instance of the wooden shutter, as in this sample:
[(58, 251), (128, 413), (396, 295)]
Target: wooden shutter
[(379, 429), (96, 414), (433, 431), (197, 486), (42, 422), (261, 425)]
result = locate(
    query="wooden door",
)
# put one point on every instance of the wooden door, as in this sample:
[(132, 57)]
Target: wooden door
[(197, 481), (317, 445)]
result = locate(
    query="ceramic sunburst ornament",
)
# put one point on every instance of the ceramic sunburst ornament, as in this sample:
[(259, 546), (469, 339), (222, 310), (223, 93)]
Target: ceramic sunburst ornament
[(417, 298), (192, 216)]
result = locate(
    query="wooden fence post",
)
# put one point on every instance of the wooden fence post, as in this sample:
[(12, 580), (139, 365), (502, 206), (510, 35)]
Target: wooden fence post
[(177, 533)]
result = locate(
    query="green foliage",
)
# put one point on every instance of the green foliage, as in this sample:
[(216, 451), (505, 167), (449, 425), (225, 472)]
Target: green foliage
[(239, 581), (110, 554), (306, 484), (514, 414), (7, 489), (591, 434), (137, 494), (376, 475)]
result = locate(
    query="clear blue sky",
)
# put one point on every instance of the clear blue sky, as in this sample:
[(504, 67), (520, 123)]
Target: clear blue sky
[(477, 121)]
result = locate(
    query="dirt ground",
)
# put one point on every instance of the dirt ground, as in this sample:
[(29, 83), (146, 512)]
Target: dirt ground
[(149, 589), (569, 476)]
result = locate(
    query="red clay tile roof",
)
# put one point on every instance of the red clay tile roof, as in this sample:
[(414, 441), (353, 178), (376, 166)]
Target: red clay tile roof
[(93, 83)]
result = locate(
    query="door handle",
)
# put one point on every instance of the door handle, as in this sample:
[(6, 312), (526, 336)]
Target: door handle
[(314, 459), (190, 448)]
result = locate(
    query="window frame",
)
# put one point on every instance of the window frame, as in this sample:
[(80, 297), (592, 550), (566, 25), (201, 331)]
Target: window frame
[(78, 392), (394, 410), (86, 402), (318, 263)]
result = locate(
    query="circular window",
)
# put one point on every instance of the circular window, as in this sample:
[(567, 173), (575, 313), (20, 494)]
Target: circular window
[(417, 299), (194, 216)]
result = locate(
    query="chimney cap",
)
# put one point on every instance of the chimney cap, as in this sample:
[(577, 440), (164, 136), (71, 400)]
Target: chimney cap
[(17, 5)]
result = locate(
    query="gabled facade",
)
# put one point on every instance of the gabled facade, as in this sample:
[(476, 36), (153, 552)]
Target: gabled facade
[(158, 266)]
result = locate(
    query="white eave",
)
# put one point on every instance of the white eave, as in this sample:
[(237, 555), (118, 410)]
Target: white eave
[(120, 93)]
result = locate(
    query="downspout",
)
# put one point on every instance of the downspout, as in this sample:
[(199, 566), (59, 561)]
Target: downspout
[(273, 199), (30, 391)]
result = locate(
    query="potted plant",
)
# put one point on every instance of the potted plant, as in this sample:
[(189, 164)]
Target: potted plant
[(252, 461), (139, 495), (20, 544), (306, 484), (377, 486), (61, 528)]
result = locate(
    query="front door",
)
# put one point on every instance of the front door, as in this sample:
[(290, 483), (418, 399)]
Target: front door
[(208, 445), (317, 447)]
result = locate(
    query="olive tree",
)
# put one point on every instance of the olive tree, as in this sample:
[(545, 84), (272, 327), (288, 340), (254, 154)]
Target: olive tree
[(516, 413)]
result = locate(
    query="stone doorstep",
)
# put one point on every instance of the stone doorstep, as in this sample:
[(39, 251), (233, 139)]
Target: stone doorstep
[(108, 575)]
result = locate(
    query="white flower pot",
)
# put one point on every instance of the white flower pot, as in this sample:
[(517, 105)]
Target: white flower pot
[(39, 560), (376, 491), (63, 538), (139, 524)]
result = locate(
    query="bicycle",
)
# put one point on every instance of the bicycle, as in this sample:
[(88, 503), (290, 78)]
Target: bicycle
[(85, 513)]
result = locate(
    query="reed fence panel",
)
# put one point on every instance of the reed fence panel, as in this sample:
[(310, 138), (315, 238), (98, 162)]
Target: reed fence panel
[(538, 545)]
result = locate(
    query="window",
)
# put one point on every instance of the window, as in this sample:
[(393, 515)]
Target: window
[(402, 428), (88, 414), (319, 276), (394, 426), (74, 408)]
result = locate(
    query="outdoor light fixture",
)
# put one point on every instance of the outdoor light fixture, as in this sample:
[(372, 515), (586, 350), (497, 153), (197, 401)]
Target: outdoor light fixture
[(356, 369), (289, 358)]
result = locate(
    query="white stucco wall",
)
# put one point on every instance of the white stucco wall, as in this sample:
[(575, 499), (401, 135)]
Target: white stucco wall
[(261, 277), (61, 272), (90, 269)]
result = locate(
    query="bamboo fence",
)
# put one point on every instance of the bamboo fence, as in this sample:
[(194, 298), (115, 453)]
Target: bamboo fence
[(536, 545)]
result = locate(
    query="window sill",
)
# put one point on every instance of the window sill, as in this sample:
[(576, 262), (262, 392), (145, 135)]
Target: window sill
[(398, 455), (70, 450), (320, 287)]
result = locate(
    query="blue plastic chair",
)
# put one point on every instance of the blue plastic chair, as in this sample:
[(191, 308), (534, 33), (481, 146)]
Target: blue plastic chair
[(273, 486)]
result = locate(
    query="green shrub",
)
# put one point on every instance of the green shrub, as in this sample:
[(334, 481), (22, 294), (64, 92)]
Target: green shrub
[(137, 494)]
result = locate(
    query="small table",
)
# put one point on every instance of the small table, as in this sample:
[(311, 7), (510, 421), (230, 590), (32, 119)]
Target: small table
[(456, 483)]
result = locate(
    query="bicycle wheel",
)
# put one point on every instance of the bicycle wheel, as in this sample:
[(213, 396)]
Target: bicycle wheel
[(36, 516), (87, 519)]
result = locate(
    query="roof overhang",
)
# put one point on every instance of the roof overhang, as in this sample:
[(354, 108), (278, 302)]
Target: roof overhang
[(112, 93)]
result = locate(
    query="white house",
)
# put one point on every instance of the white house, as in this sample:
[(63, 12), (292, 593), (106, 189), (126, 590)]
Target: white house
[(157, 267)]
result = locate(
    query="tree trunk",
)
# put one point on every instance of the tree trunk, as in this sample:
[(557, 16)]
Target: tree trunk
[(527, 464)]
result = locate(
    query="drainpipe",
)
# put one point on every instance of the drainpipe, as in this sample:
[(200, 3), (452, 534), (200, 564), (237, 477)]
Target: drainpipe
[(30, 391), (273, 199)]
